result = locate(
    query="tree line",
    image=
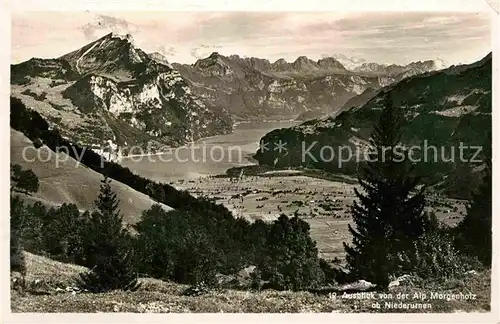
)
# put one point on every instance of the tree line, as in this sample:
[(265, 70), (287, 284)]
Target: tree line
[(186, 247)]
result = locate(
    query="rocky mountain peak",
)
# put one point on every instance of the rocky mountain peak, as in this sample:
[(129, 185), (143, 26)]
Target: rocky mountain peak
[(159, 58), (279, 62), (429, 63), (113, 54), (372, 67), (258, 63), (115, 87), (303, 59), (214, 55), (330, 63), (236, 57), (213, 59), (126, 37), (303, 63)]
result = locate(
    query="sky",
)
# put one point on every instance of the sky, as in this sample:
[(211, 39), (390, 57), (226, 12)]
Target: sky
[(184, 37)]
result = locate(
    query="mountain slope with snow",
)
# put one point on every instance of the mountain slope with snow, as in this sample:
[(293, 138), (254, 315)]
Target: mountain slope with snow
[(111, 91)]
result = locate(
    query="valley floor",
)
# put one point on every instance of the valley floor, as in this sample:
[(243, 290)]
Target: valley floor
[(324, 204)]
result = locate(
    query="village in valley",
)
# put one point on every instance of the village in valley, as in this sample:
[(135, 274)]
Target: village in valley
[(323, 203)]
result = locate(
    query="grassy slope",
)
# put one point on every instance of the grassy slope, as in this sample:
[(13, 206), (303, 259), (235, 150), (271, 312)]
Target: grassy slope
[(161, 297), (39, 267), (69, 183)]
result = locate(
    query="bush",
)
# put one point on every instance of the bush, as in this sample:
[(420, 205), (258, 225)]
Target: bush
[(63, 233), (176, 245), (434, 256), (197, 259), (23, 180), (56, 232), (192, 247)]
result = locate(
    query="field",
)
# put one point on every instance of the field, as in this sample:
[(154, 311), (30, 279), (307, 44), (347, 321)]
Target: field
[(324, 204)]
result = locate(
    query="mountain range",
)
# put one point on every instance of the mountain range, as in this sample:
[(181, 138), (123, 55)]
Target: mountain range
[(443, 109), (253, 88), (110, 91)]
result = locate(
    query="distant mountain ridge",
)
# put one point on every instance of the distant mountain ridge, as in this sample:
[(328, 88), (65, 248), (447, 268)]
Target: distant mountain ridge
[(356, 64), (413, 68), (444, 108), (249, 87)]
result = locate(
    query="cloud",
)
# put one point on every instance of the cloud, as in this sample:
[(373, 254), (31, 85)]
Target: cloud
[(385, 37), (203, 51), (166, 51), (109, 23)]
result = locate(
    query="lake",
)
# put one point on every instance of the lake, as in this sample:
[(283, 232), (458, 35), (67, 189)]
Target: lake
[(207, 156)]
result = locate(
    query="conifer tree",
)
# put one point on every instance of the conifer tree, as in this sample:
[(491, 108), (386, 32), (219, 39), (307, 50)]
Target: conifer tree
[(108, 247), (475, 230), (20, 220), (388, 215), (17, 214)]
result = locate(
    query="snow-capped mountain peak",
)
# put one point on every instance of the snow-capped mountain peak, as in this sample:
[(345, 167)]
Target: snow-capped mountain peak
[(440, 64), (348, 62), (112, 86), (126, 37), (113, 54)]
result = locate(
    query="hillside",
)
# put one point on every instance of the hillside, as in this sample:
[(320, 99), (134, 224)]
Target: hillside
[(156, 296), (110, 91), (443, 108), (63, 180)]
